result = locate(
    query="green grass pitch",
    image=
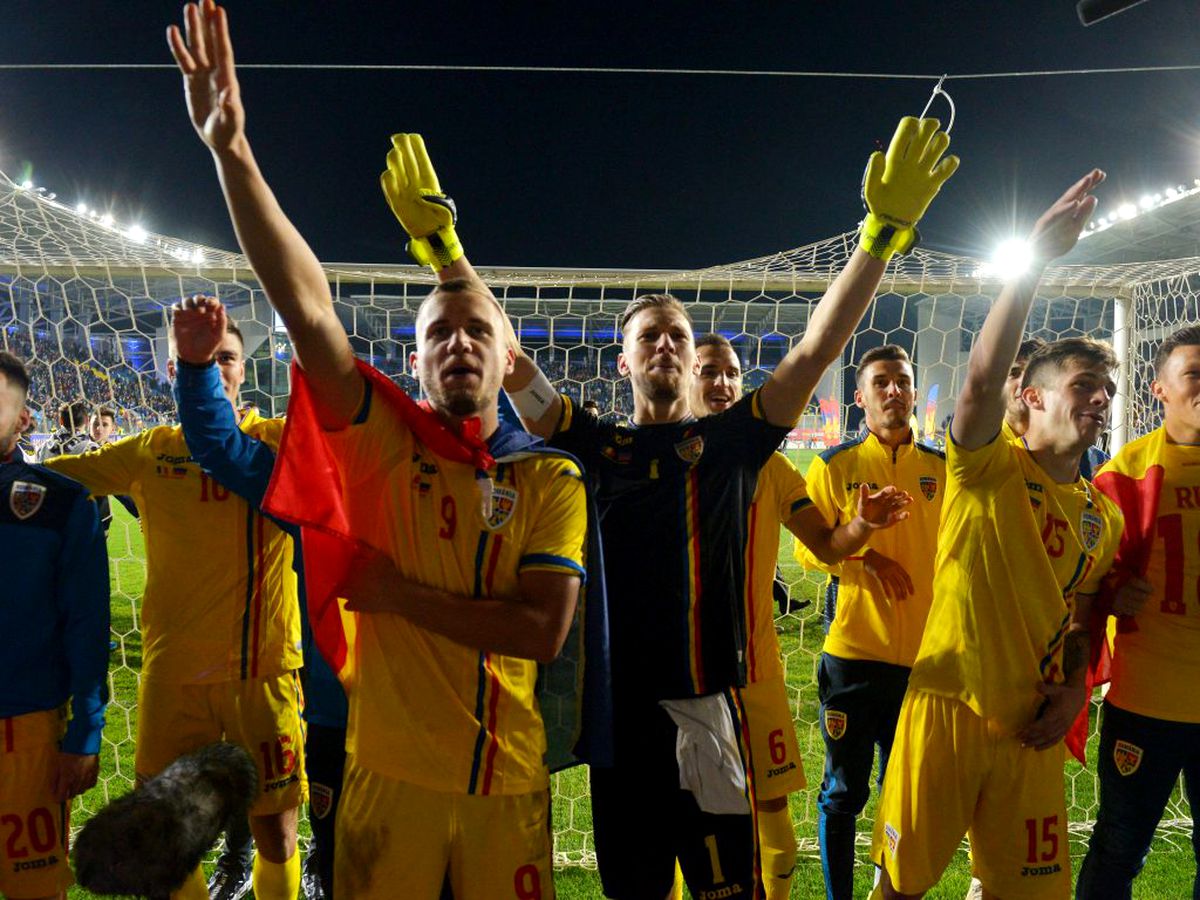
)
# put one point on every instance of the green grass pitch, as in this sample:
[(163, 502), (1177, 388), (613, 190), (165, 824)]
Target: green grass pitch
[(1168, 874)]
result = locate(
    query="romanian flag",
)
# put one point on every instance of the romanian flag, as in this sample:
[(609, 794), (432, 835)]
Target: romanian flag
[(1133, 480)]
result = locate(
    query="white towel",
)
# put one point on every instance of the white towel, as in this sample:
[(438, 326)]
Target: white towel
[(706, 748)]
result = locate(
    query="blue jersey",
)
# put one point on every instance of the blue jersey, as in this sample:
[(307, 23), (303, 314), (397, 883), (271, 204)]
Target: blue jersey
[(54, 617), (243, 464)]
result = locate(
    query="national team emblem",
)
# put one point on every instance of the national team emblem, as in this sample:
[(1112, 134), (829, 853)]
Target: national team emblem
[(320, 799), (1127, 756), (25, 498), (504, 501), (835, 723), (690, 450), (928, 486), (1091, 526)]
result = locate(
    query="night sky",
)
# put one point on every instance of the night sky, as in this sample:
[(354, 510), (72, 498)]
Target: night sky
[(612, 170)]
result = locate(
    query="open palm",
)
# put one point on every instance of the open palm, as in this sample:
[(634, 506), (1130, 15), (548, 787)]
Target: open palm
[(205, 58)]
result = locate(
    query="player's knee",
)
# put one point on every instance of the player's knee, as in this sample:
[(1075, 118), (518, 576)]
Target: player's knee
[(275, 835)]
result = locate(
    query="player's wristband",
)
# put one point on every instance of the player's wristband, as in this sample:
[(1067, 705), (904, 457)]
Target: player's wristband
[(882, 239), (436, 250), (532, 401)]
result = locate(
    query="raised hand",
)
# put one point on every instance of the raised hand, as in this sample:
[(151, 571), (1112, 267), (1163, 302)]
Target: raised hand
[(894, 578), (1056, 232), (411, 187), (205, 58), (899, 186), (198, 327), (884, 508)]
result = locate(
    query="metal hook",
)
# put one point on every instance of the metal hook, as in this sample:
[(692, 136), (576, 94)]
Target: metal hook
[(937, 89)]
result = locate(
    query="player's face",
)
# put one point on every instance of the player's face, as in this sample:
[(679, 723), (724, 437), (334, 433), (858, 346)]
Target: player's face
[(232, 366), (1016, 413), (1072, 410), (887, 394), (1178, 389), (102, 428), (462, 357), (658, 355), (14, 416), (719, 382)]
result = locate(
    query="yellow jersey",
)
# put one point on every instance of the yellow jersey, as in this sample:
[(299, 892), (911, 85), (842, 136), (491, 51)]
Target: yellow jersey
[(423, 708), (779, 495), (1014, 549), (868, 625), (1156, 668), (220, 599)]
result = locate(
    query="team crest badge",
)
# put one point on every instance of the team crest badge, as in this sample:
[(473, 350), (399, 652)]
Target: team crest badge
[(892, 836), (320, 799), (1091, 526), (690, 450), (25, 498), (1127, 756), (835, 723), (928, 486), (504, 501)]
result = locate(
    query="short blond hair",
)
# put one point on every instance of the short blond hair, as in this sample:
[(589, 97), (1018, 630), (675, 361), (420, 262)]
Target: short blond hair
[(650, 301)]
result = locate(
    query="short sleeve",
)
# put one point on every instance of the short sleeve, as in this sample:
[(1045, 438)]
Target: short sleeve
[(369, 445), (112, 469), (578, 433), (788, 487), (742, 432), (990, 463), (556, 542)]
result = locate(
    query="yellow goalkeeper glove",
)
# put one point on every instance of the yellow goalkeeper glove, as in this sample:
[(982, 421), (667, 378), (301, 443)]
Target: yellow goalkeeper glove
[(412, 191), (899, 186)]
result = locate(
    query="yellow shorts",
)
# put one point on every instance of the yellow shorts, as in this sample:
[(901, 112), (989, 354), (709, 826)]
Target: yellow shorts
[(774, 752), (262, 714), (395, 839), (33, 826), (952, 773)]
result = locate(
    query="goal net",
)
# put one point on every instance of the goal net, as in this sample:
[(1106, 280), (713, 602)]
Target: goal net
[(84, 302)]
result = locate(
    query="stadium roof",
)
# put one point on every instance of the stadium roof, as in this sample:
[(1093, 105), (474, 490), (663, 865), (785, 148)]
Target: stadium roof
[(1167, 232)]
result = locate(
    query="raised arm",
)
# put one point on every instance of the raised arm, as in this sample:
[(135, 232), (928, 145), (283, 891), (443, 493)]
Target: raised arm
[(428, 216), (979, 409), (286, 267), (897, 189)]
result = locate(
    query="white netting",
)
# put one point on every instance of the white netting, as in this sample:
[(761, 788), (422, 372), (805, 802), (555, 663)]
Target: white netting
[(84, 303)]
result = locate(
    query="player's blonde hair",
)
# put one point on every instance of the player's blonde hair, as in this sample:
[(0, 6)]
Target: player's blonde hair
[(653, 301)]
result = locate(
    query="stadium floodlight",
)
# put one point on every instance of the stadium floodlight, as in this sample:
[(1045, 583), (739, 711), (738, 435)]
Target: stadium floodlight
[(197, 256), (1126, 211), (1011, 258), (1147, 202), (106, 220), (81, 208), (137, 234), (26, 184)]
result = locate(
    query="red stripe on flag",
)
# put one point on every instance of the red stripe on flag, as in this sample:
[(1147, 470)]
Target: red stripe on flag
[(493, 559)]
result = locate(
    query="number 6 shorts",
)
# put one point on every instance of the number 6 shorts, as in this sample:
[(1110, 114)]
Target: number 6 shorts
[(774, 753), (33, 826), (951, 773), (261, 714)]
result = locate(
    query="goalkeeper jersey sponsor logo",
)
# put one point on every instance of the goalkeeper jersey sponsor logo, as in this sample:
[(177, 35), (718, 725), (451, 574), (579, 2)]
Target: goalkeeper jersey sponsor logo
[(25, 498), (835, 723), (1127, 757)]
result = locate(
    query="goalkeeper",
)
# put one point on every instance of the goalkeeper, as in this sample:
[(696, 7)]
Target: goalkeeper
[(682, 487)]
